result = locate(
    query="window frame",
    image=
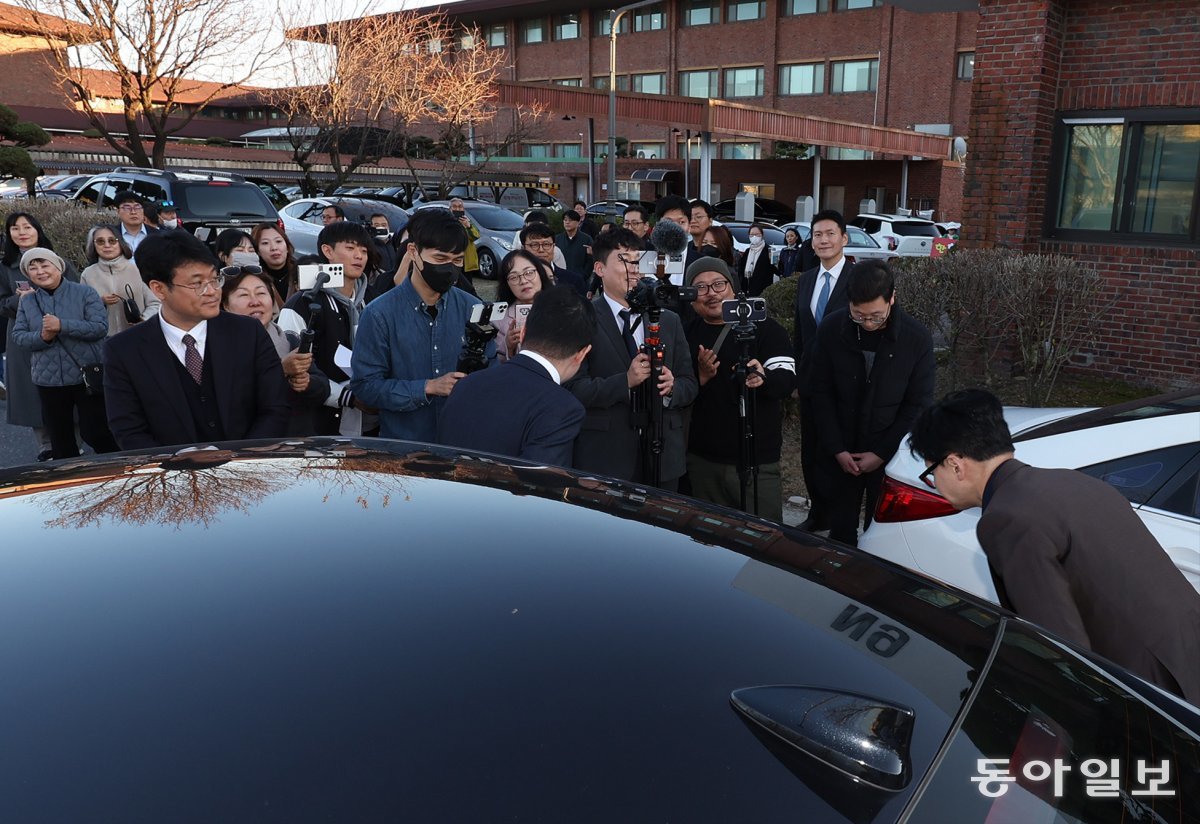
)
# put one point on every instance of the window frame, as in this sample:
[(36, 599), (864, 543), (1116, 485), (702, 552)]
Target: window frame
[(761, 7), (634, 78), (872, 75), (959, 57), (600, 28), (731, 143), (818, 84), (787, 8), (644, 18), (686, 7), (760, 85), (1125, 202), (492, 31), (527, 25), (561, 21), (714, 82), (844, 5)]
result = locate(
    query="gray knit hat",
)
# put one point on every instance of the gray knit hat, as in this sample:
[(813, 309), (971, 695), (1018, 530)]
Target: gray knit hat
[(710, 264), (38, 253)]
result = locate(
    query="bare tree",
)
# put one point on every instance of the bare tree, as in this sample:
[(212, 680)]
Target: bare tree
[(374, 81), (153, 50)]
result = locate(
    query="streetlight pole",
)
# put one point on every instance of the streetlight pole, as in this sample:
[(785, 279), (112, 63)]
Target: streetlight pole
[(614, 16)]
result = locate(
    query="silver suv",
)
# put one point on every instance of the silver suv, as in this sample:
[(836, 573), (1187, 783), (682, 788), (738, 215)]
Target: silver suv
[(903, 235)]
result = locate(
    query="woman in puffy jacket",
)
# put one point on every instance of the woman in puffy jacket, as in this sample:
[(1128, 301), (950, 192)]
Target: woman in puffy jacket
[(114, 275), (63, 324)]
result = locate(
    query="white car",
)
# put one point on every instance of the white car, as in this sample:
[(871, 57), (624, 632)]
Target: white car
[(861, 246), (302, 218), (1148, 449), (902, 235)]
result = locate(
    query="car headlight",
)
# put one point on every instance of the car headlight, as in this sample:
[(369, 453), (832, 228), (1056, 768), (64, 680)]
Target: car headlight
[(507, 244)]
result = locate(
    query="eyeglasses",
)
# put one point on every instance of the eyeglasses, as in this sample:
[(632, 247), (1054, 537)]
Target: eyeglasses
[(217, 282), (870, 320), (717, 288), (540, 245), (927, 476), (526, 276), (635, 223), (106, 241), (129, 207)]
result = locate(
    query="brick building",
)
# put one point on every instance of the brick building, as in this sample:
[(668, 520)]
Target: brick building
[(1085, 141), (850, 60)]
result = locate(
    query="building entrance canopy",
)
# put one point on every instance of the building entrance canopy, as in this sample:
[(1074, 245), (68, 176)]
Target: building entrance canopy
[(721, 117)]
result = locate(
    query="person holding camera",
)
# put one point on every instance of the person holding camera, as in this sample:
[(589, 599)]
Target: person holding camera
[(458, 208), (618, 366), (406, 359), (873, 373), (719, 343), (520, 408), (63, 323), (333, 312)]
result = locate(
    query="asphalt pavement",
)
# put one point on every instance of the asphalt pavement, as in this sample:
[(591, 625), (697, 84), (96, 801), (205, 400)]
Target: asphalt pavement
[(17, 446)]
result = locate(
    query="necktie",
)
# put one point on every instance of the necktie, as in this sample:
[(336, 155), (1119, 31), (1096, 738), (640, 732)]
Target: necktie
[(192, 359), (823, 298), (627, 334)]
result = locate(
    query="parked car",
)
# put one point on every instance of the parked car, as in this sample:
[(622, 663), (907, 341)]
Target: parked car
[(497, 226), (905, 235), (1148, 449), (206, 201), (274, 194), (861, 247), (765, 210), (61, 186), (600, 210), (741, 237), (354, 630), (302, 217)]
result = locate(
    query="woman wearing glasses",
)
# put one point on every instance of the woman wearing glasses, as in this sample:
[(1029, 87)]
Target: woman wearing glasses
[(522, 276), (22, 232), (113, 274)]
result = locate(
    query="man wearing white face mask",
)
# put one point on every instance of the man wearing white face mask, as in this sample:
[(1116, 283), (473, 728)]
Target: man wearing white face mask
[(168, 216), (755, 268)]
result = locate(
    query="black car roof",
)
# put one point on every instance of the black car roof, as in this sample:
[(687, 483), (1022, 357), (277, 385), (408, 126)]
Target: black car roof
[(363, 628)]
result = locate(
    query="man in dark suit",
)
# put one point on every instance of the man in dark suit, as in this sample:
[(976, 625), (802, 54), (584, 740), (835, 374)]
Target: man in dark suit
[(872, 374), (1066, 550), (194, 374), (616, 369), (520, 408), (576, 246), (813, 302)]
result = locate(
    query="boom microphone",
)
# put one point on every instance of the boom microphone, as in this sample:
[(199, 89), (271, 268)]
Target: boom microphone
[(669, 238)]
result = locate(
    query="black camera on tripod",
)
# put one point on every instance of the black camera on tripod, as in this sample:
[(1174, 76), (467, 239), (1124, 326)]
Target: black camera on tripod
[(479, 332), (651, 293)]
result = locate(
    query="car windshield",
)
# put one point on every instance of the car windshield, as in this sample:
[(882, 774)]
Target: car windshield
[(860, 238), (1179, 403), (914, 229), (222, 200), (495, 218)]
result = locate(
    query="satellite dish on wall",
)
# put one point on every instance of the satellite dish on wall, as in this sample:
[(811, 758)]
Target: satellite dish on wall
[(960, 149)]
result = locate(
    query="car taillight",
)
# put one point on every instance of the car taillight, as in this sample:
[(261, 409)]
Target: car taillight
[(893, 242), (279, 226), (900, 502)]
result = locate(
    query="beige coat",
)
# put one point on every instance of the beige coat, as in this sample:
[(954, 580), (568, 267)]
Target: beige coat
[(111, 278)]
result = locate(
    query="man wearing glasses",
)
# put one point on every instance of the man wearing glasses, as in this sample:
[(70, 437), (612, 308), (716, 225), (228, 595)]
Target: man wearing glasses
[(716, 437), (133, 218), (194, 374), (538, 240), (873, 373), (617, 366)]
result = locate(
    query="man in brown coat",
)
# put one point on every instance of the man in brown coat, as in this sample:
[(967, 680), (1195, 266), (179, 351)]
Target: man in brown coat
[(1066, 549)]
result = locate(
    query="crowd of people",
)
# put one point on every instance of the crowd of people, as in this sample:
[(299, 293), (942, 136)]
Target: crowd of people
[(603, 359)]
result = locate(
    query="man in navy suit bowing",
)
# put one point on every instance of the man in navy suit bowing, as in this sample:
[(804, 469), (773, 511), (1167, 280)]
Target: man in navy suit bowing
[(520, 408), (193, 374)]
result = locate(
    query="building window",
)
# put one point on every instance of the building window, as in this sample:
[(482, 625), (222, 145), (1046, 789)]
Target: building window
[(497, 36), (698, 83), (533, 31), (739, 10), (793, 8), (647, 150), (854, 76), (741, 151), (601, 82), (602, 23), (701, 12), (572, 150), (966, 65), (1136, 175), (745, 82), (688, 149), (808, 78), (851, 5), (566, 27), (650, 83), (840, 153), (540, 150), (434, 46), (651, 18), (568, 81)]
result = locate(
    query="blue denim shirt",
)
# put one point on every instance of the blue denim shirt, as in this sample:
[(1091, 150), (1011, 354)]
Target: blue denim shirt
[(398, 348)]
